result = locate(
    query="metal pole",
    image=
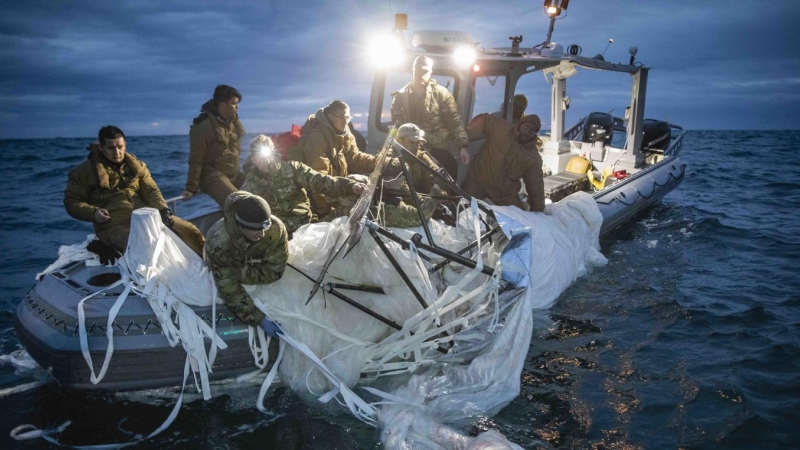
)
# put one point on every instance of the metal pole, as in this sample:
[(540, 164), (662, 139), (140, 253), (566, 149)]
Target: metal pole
[(363, 308), (417, 240), (464, 250), (353, 287), (550, 31), (397, 268)]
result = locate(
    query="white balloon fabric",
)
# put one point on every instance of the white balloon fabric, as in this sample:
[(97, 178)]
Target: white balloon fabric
[(460, 346)]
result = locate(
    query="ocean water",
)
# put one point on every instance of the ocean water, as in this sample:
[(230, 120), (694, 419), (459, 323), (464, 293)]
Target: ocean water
[(688, 338)]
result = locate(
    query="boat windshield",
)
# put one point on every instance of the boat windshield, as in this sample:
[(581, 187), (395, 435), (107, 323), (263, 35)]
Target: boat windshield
[(490, 92)]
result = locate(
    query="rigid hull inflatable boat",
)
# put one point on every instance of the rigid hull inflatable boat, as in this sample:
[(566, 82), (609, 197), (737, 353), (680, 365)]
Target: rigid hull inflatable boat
[(448, 306), (629, 163)]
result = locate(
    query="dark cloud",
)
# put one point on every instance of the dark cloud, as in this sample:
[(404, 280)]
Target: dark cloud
[(69, 67)]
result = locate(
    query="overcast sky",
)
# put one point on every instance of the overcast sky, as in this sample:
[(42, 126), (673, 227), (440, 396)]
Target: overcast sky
[(69, 67)]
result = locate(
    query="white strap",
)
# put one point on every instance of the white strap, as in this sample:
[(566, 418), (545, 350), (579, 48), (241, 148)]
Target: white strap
[(27, 432), (109, 330), (270, 378)]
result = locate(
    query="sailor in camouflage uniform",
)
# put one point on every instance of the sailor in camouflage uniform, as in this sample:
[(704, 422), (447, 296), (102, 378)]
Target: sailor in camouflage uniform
[(398, 210), (399, 214), (285, 185), (412, 138), (247, 246)]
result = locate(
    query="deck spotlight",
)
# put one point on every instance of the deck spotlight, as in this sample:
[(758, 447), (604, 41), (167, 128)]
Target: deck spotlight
[(386, 51), (553, 8), (464, 56)]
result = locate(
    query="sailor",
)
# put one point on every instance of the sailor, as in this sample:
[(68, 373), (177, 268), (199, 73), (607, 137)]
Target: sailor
[(106, 188), (518, 110), (432, 107), (393, 204), (214, 145), (412, 138), (393, 212), (327, 146), (286, 184), (509, 154), (247, 246)]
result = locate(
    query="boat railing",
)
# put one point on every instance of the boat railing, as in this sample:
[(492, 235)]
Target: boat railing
[(677, 142), (172, 202), (575, 132)]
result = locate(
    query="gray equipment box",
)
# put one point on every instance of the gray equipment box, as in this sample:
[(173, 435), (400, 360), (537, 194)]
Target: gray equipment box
[(562, 184)]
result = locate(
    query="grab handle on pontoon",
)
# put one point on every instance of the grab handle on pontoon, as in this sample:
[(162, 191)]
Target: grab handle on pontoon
[(172, 202)]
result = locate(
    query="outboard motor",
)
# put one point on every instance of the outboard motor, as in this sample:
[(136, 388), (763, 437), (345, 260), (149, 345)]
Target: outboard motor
[(598, 127), (656, 135)]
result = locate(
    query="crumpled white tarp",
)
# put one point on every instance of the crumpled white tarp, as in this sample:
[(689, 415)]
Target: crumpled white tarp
[(421, 392), (564, 243), (159, 266), (70, 253)]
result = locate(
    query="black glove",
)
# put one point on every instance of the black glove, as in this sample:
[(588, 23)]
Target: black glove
[(166, 217), (107, 253), (394, 201), (443, 213)]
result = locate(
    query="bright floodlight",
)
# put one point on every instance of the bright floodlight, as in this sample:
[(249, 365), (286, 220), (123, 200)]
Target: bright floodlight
[(385, 51), (464, 56)]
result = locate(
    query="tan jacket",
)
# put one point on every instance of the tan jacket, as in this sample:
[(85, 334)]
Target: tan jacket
[(97, 183), (329, 152), (438, 116), (214, 145), (502, 162)]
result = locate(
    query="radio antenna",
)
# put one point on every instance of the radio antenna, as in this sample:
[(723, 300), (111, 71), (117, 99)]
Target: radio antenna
[(610, 41)]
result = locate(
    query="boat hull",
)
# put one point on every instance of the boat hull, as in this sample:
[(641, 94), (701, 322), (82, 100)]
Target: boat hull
[(644, 189), (47, 325)]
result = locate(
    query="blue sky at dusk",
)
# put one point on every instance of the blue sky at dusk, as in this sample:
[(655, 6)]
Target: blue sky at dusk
[(69, 67)]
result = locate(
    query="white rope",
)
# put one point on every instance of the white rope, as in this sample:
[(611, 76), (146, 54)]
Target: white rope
[(112, 314), (494, 288), (361, 409), (190, 329), (270, 378), (28, 432), (259, 346)]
